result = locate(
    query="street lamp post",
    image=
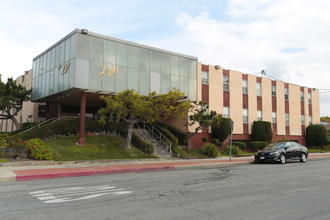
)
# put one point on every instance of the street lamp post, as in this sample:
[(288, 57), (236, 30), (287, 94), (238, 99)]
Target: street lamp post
[(231, 138)]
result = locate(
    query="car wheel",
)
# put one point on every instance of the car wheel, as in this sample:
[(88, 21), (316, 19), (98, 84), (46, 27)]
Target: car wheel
[(303, 158), (282, 159)]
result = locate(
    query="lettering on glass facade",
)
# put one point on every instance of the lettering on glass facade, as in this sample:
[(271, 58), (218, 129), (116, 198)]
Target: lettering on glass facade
[(107, 71), (64, 67)]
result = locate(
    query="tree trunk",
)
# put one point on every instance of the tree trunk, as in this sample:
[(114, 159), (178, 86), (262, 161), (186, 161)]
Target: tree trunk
[(127, 144), (17, 125)]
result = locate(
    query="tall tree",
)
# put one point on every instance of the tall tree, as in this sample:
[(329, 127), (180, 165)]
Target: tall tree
[(131, 107), (200, 114), (325, 119), (12, 97)]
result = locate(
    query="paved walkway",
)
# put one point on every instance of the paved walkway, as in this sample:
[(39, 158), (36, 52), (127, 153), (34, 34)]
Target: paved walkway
[(33, 170)]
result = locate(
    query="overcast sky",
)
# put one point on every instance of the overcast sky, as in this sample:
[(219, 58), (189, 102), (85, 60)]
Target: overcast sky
[(289, 39)]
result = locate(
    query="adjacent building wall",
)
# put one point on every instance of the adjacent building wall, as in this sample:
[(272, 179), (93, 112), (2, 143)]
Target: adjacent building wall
[(252, 100), (29, 112), (235, 99), (294, 110)]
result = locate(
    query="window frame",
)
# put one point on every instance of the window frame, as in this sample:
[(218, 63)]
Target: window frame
[(259, 117), (302, 117), (205, 80), (259, 89), (286, 94), (245, 116), (274, 117), (274, 90), (287, 120), (226, 83), (228, 112), (245, 86)]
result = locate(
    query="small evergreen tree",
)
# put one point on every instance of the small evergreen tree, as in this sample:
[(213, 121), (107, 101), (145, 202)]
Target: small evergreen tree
[(262, 131), (316, 135), (12, 96), (221, 130)]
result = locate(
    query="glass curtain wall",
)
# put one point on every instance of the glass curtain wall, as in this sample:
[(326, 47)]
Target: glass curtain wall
[(53, 71), (111, 66)]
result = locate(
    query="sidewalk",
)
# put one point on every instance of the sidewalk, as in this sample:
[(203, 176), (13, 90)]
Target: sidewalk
[(30, 170)]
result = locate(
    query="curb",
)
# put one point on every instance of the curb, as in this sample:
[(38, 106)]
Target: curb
[(89, 173), (200, 164)]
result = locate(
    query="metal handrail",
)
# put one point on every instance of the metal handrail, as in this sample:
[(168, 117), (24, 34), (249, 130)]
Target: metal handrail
[(145, 135), (48, 121), (162, 138)]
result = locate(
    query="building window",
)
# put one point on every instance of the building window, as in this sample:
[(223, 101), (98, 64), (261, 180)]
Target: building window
[(302, 96), (310, 120), (286, 119), (259, 115), (245, 86), (226, 112), (286, 94), (274, 117), (205, 77), (226, 83), (258, 89), (309, 98), (245, 116), (302, 119), (273, 90), (41, 111)]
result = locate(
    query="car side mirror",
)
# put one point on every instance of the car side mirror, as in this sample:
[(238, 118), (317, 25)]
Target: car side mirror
[(286, 148)]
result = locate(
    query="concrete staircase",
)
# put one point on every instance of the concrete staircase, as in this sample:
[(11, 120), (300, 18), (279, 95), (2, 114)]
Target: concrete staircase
[(162, 146)]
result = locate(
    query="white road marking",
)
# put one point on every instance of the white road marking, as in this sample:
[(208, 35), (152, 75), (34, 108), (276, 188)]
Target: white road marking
[(76, 193)]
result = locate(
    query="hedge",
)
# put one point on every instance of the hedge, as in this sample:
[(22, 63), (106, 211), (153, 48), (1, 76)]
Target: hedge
[(62, 127), (262, 131), (316, 135), (241, 145), (258, 144), (140, 144), (181, 135)]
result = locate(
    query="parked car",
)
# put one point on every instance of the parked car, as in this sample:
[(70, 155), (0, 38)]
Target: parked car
[(281, 152)]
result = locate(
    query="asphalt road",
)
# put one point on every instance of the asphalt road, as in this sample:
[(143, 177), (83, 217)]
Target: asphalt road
[(256, 191)]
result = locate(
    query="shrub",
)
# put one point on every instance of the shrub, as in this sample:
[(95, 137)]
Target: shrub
[(205, 139), (181, 135), (221, 132), (37, 149), (258, 144), (3, 141), (210, 150), (262, 131), (141, 144), (217, 142), (235, 150), (316, 135), (240, 144), (15, 142)]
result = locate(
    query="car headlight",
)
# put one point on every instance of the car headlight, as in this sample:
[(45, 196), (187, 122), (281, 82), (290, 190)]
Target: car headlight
[(272, 153)]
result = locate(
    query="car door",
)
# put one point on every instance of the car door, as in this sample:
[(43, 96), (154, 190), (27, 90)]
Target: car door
[(290, 151), (297, 148)]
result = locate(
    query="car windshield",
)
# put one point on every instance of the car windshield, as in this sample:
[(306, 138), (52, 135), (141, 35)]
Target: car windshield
[(275, 146)]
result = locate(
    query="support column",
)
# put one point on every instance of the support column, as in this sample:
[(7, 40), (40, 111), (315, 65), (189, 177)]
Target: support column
[(81, 141), (47, 110)]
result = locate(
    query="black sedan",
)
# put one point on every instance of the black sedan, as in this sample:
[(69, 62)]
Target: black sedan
[(282, 151)]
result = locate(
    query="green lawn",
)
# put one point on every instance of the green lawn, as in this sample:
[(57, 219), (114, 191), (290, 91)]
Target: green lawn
[(97, 147)]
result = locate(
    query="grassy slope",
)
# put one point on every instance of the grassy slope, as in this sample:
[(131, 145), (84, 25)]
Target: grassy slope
[(97, 147)]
